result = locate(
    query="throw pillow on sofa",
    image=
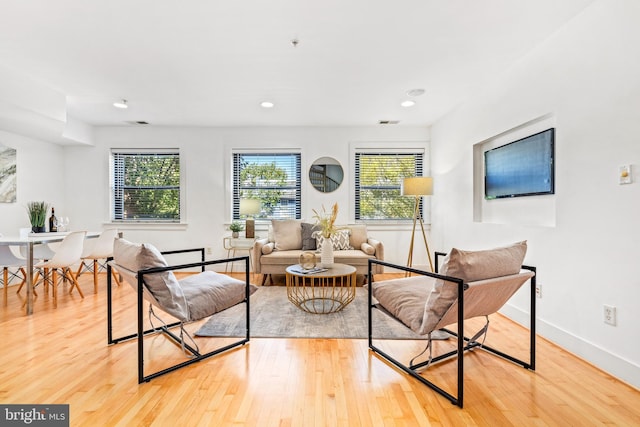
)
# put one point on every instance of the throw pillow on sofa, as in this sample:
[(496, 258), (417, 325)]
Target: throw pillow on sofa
[(367, 249), (287, 234), (308, 239), (358, 235), (339, 240)]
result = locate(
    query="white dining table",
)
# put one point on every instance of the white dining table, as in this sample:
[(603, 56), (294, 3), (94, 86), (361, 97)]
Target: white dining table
[(29, 242)]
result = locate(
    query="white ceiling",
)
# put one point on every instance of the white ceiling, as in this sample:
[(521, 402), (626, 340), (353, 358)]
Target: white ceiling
[(210, 63)]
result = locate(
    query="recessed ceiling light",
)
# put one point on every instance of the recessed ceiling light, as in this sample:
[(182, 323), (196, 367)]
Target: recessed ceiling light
[(121, 104), (408, 103), (267, 104), (415, 92)]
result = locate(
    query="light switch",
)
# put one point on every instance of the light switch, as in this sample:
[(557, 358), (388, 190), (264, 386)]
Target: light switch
[(625, 174)]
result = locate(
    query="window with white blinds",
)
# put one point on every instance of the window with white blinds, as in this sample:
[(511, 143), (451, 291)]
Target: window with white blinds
[(378, 179), (272, 178), (146, 185)]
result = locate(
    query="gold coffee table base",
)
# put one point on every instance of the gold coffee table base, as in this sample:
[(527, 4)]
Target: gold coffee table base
[(322, 293)]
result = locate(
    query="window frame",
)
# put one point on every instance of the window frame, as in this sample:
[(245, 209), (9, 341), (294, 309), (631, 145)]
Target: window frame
[(396, 148), (235, 190), (113, 152)]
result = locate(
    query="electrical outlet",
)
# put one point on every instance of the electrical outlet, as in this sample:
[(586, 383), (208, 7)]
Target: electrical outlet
[(539, 290), (610, 315), (209, 251)]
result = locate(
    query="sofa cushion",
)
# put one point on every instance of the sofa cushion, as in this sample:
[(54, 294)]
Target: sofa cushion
[(164, 287), (286, 258), (339, 240), (354, 257), (358, 235), (368, 249), (469, 266), (287, 234), (308, 239)]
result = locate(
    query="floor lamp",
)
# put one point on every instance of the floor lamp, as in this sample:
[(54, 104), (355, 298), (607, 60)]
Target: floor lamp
[(249, 207), (418, 187)]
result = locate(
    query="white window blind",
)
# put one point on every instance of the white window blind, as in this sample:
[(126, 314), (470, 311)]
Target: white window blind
[(272, 178), (146, 185), (378, 179)]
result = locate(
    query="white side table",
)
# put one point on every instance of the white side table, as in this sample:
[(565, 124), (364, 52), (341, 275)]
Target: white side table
[(237, 244)]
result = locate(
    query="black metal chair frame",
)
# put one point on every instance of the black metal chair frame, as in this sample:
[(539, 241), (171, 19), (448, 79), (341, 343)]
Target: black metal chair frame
[(195, 355), (462, 344)]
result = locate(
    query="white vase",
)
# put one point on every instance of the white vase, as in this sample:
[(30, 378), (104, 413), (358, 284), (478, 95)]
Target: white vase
[(326, 254)]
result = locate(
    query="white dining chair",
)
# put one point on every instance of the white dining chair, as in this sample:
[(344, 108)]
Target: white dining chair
[(41, 252), (67, 254), (95, 255), (11, 266)]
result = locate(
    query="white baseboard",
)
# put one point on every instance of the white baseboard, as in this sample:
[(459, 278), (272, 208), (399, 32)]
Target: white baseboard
[(613, 364)]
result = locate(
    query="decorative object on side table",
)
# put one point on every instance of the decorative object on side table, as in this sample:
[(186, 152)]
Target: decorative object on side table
[(236, 227), (249, 208), (37, 215), (326, 223)]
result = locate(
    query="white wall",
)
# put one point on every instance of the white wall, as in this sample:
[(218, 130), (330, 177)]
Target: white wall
[(207, 155), (40, 177), (586, 78)]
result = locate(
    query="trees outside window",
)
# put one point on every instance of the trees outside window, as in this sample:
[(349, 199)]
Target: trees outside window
[(378, 180), (146, 185), (272, 178)]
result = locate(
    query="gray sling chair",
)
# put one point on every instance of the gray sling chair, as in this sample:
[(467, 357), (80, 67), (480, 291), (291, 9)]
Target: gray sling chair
[(471, 284), (193, 298)]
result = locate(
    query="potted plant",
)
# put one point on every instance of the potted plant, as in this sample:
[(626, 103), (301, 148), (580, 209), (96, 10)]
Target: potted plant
[(236, 227), (37, 215)]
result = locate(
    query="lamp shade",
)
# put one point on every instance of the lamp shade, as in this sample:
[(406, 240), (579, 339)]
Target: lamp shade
[(417, 186), (249, 206)]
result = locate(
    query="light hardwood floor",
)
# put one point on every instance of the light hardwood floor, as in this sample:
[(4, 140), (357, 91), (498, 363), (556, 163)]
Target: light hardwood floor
[(61, 356)]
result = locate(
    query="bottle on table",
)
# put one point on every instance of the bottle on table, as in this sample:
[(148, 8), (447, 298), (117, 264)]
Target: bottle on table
[(52, 221)]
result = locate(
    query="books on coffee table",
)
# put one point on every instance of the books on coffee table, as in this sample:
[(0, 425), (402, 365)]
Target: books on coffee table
[(299, 270)]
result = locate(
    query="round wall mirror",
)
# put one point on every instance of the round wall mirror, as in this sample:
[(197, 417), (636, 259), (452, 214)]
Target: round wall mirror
[(326, 174)]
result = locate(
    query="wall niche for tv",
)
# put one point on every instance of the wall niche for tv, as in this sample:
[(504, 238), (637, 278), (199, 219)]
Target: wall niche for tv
[(514, 175), (521, 168)]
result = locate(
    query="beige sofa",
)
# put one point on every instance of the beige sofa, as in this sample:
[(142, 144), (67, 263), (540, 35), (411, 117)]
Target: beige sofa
[(288, 239)]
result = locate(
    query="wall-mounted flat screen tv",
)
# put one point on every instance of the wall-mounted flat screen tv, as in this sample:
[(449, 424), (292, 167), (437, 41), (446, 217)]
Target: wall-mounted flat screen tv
[(521, 168)]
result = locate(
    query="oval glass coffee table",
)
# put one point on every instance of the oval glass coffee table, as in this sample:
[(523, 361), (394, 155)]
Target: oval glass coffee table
[(323, 292)]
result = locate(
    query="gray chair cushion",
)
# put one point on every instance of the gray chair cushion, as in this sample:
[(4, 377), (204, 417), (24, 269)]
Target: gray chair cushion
[(189, 299), (209, 292), (405, 298), (469, 266), (163, 286), (421, 302)]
